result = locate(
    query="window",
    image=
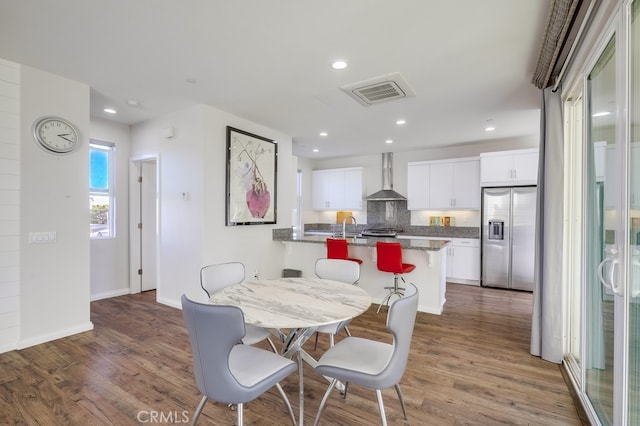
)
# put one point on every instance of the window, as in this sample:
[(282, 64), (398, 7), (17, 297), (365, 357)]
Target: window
[(101, 196)]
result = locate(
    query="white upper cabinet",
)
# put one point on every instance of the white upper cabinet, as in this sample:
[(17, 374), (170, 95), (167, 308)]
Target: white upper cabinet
[(518, 167), (444, 185), (466, 184), (418, 186), (337, 189)]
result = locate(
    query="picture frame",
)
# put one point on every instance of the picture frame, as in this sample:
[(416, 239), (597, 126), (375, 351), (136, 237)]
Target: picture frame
[(251, 182)]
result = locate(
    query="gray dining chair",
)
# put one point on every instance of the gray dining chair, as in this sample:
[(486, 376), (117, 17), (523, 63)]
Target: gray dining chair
[(216, 276), (342, 270), (370, 363), (226, 371)]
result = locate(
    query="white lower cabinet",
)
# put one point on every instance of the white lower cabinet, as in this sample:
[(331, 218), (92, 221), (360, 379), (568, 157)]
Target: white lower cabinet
[(463, 258), (463, 261)]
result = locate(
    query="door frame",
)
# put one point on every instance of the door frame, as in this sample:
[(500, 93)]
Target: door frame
[(135, 283)]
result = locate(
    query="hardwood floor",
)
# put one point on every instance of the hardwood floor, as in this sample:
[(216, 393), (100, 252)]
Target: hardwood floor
[(469, 366)]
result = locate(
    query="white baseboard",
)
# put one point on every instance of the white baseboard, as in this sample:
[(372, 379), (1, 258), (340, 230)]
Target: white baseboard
[(170, 302), (109, 294), (461, 281), (7, 348), (32, 341)]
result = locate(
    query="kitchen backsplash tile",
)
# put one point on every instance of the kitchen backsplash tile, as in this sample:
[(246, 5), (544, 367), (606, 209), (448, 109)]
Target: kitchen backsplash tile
[(388, 214)]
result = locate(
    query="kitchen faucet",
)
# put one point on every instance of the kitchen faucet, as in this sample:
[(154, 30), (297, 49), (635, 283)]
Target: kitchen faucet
[(344, 225)]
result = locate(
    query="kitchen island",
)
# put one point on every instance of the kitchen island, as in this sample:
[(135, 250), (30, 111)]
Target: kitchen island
[(430, 260)]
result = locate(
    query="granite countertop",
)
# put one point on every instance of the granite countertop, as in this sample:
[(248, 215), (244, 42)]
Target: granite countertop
[(406, 243)]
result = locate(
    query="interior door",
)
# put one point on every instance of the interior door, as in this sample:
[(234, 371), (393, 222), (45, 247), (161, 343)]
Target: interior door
[(148, 215)]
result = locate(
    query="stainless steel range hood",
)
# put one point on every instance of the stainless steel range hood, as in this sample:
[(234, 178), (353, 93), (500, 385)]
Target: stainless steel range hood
[(387, 193)]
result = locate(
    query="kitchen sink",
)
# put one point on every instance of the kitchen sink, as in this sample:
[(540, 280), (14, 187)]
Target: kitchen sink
[(347, 235)]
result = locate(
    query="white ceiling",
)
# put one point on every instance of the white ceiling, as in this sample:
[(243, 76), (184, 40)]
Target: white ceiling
[(468, 61)]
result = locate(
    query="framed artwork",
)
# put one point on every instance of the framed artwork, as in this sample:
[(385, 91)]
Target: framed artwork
[(251, 178)]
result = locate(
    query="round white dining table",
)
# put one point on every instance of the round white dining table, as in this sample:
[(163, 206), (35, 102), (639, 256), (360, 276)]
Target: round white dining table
[(299, 305)]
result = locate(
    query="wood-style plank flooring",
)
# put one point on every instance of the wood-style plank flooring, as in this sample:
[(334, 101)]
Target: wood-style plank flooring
[(469, 366)]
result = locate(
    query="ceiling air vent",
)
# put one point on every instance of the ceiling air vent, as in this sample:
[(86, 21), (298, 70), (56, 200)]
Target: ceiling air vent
[(379, 89)]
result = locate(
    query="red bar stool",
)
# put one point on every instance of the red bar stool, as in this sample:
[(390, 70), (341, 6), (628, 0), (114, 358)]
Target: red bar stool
[(337, 249), (390, 260)]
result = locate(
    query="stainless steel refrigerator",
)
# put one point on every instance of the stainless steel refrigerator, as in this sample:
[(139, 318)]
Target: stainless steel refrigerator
[(508, 237)]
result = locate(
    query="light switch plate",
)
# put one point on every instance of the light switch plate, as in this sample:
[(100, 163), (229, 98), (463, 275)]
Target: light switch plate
[(43, 237)]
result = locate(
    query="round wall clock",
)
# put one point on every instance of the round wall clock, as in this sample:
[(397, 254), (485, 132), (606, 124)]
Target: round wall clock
[(55, 134)]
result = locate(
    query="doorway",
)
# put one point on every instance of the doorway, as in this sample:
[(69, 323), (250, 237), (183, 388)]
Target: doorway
[(144, 224)]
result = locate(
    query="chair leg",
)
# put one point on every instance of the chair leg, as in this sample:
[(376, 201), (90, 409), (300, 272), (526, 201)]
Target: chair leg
[(383, 416), (346, 329), (332, 340), (384, 302), (344, 392), (273, 347), (196, 415), (240, 414), (399, 392), (316, 345), (286, 401), (395, 290), (324, 401)]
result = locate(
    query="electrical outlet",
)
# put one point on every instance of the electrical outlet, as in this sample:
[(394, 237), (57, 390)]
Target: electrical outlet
[(255, 274)]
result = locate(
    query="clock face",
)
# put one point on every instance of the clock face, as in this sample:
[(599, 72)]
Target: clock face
[(56, 135)]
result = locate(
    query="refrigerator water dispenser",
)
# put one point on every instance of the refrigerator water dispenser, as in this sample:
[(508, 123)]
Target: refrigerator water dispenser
[(496, 230)]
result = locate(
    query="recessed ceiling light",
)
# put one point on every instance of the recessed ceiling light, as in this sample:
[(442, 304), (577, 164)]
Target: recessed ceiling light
[(324, 134), (489, 129), (601, 114), (133, 103), (316, 150), (191, 80), (400, 122), (109, 110), (339, 65), (388, 141)]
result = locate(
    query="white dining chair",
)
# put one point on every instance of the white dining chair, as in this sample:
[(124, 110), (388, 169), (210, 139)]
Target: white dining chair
[(342, 270), (216, 276), (224, 370), (371, 363)]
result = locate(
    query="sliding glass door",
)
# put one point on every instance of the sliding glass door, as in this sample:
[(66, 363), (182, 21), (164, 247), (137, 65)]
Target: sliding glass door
[(609, 356), (633, 291), (602, 238)]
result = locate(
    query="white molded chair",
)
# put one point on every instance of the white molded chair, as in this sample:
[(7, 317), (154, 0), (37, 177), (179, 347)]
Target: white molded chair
[(343, 270), (226, 371), (220, 275), (370, 363)]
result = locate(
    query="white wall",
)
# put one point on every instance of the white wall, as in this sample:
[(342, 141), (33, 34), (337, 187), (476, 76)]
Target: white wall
[(54, 191), (9, 205), (372, 175), (110, 256), (192, 232)]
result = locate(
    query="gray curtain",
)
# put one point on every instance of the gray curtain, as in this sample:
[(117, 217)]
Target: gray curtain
[(546, 321)]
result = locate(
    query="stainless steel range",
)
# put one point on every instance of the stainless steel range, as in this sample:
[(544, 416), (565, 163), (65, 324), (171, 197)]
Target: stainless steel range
[(379, 232)]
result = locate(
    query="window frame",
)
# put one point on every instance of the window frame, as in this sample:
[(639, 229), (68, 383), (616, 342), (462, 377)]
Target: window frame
[(108, 147)]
